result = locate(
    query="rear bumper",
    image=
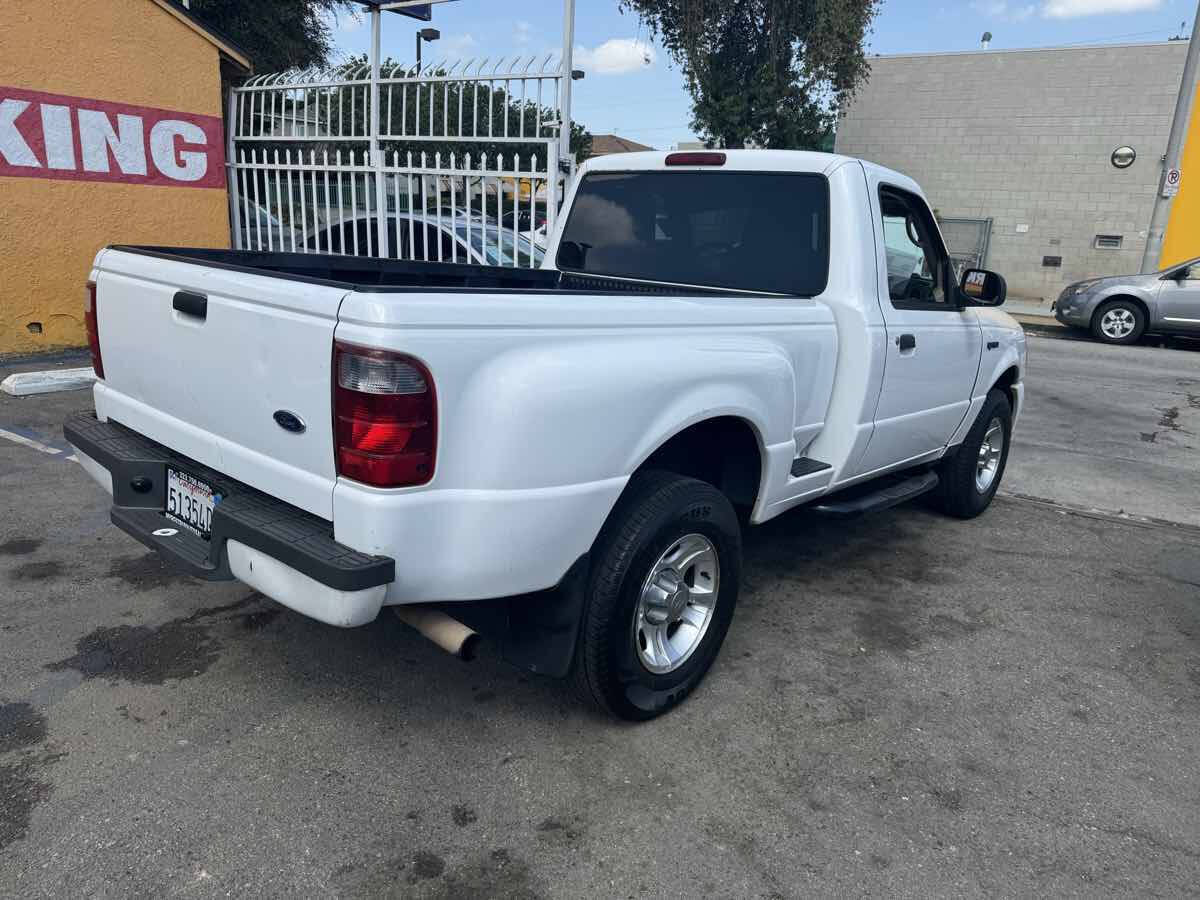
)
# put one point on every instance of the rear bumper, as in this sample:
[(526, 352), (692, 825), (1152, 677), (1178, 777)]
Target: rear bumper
[(285, 552)]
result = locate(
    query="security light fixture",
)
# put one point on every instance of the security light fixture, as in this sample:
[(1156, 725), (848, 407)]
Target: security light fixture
[(425, 34), (1123, 157)]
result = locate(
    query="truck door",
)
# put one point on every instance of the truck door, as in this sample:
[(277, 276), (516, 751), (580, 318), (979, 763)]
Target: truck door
[(1179, 298), (933, 347)]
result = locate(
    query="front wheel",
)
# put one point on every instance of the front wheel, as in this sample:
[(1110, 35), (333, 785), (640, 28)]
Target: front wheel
[(1119, 322), (664, 584), (970, 478)]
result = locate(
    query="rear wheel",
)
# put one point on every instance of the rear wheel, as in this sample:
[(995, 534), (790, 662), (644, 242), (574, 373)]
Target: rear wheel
[(970, 478), (1119, 322), (663, 588)]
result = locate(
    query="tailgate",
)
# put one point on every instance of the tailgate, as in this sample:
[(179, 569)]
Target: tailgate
[(201, 358)]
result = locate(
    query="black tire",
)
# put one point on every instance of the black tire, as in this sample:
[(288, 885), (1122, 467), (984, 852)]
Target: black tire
[(656, 510), (958, 493), (1125, 307)]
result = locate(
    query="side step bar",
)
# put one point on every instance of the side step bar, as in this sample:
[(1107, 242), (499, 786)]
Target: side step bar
[(805, 465), (884, 498)]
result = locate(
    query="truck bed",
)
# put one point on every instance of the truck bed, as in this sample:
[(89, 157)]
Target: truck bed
[(366, 274)]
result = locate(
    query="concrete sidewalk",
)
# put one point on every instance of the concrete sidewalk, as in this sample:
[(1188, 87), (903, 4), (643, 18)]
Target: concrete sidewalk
[(1032, 308)]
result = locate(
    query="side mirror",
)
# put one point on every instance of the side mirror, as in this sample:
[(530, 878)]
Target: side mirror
[(1183, 274), (983, 288)]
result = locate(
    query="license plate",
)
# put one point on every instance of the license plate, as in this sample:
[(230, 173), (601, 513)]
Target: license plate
[(190, 501)]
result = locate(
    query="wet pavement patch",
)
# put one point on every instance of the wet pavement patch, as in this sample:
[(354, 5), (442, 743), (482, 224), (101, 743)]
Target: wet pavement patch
[(178, 649), (427, 865), (146, 571), (21, 726), (38, 571), (19, 547), (20, 793), (496, 874), (463, 816)]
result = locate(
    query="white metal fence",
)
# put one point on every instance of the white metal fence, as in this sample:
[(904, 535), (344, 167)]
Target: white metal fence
[(455, 162)]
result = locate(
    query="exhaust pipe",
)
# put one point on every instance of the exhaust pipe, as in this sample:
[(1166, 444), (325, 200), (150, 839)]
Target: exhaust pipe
[(450, 634)]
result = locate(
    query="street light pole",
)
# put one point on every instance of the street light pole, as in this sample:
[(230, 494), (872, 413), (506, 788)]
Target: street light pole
[(568, 74), (1179, 128), (425, 34)]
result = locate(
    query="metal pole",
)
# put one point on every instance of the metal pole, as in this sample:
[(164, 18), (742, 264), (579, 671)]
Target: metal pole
[(376, 156), (231, 176), (418, 53), (1179, 128), (568, 60)]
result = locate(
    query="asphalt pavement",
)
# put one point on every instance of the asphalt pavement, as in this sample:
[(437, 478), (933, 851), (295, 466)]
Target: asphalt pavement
[(906, 705)]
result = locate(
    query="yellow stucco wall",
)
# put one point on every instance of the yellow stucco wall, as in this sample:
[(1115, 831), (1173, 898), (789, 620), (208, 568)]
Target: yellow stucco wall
[(127, 51), (1182, 241)]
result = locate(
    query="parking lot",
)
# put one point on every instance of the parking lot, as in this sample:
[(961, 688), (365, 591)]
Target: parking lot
[(905, 705)]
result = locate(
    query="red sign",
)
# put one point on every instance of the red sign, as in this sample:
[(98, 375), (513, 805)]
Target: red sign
[(73, 138)]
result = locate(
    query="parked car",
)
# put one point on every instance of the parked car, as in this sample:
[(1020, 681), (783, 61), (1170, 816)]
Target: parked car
[(525, 219), (562, 459), (463, 239), (261, 230), (1120, 309)]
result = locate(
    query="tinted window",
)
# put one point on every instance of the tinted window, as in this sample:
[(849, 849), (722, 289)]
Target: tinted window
[(744, 230)]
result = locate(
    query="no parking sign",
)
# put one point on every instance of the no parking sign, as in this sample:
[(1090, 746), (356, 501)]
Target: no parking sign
[(1171, 182)]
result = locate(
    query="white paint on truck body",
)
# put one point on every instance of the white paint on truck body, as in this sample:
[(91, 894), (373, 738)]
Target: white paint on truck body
[(547, 401)]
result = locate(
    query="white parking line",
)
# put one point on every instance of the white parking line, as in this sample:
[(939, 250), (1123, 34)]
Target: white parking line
[(29, 442)]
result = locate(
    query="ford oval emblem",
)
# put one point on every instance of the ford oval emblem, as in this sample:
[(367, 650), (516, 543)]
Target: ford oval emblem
[(289, 421)]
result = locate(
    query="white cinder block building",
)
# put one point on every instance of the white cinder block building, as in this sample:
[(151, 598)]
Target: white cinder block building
[(1026, 138)]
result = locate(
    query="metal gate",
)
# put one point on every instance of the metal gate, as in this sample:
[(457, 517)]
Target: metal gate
[(452, 162), (967, 240)]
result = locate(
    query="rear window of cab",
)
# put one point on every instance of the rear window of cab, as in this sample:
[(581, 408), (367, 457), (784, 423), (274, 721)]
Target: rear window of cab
[(749, 231)]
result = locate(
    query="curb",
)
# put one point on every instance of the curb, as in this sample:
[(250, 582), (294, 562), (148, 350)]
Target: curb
[(25, 384)]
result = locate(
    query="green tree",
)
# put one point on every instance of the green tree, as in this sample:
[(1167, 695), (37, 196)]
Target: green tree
[(277, 34), (774, 73), (465, 111)]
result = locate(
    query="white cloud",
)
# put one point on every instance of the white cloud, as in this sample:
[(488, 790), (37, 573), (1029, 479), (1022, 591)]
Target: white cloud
[(454, 46), (616, 56), (523, 32), (1073, 9), (1004, 11)]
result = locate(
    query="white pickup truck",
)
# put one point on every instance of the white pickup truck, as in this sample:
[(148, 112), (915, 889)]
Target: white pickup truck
[(561, 460)]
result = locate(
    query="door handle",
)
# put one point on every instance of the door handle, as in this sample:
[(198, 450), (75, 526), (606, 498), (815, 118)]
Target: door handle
[(190, 304), (906, 342)]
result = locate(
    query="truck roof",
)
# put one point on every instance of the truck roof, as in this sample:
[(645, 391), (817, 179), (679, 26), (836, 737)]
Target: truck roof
[(748, 161)]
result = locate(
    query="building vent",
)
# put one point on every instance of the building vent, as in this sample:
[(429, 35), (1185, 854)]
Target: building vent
[(1108, 242)]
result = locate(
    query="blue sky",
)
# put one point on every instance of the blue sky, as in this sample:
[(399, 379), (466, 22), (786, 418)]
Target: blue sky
[(632, 88)]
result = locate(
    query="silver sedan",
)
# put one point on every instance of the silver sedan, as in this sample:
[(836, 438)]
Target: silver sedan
[(1119, 310)]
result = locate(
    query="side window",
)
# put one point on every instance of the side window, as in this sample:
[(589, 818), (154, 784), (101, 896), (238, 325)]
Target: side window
[(365, 229), (439, 242), (915, 258)]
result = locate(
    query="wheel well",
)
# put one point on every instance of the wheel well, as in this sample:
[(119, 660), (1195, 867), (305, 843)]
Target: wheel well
[(723, 452), (1136, 301), (1005, 383)]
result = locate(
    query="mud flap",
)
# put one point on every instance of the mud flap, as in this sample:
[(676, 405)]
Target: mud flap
[(535, 632)]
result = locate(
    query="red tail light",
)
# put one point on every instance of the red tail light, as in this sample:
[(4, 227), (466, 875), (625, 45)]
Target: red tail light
[(695, 159), (384, 417), (93, 329)]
